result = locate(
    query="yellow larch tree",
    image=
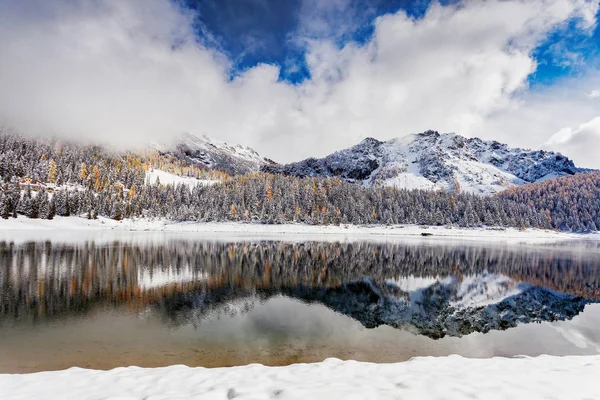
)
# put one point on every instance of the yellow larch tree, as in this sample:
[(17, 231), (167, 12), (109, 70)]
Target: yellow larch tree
[(83, 173), (52, 172)]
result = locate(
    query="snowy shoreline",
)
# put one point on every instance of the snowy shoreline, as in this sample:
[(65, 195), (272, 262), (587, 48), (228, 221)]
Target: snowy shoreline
[(24, 228), (453, 377)]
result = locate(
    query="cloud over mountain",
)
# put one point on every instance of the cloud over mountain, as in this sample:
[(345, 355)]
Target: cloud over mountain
[(583, 140), (130, 72)]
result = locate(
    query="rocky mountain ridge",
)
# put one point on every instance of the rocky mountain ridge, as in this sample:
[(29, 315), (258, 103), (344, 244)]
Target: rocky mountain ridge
[(214, 154), (431, 160)]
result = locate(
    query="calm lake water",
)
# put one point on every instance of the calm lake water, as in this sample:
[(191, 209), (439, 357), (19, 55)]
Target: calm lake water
[(214, 303)]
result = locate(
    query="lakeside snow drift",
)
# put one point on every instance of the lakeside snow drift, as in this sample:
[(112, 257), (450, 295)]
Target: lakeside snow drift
[(80, 229), (453, 377)]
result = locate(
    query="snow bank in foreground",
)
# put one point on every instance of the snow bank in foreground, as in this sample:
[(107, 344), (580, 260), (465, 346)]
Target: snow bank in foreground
[(545, 377)]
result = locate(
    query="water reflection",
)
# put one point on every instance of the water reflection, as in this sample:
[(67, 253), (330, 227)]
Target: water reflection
[(435, 290), (102, 305)]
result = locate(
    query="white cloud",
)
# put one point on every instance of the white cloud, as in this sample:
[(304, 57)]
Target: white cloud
[(594, 94), (130, 71), (533, 116), (584, 141)]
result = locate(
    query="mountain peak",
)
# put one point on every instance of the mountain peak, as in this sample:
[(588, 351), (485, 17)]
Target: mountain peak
[(370, 141), (430, 133), (214, 154), (433, 160)]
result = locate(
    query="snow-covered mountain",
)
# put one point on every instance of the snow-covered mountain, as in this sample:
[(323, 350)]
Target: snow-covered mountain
[(214, 154), (431, 160)]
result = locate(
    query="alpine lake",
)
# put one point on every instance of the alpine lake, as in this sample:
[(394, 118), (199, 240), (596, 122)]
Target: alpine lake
[(177, 299)]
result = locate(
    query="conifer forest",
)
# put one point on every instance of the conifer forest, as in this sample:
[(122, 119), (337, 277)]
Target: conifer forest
[(43, 178)]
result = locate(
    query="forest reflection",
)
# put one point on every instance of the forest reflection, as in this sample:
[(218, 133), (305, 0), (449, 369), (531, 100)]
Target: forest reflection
[(41, 280)]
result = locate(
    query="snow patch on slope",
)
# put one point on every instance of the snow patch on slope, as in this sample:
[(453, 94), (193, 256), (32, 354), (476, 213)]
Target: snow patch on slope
[(167, 178)]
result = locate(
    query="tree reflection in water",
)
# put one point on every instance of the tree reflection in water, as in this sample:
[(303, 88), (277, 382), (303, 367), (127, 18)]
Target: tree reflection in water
[(440, 289)]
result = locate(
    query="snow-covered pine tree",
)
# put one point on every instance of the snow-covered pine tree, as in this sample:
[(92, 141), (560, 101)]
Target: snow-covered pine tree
[(61, 201), (5, 206)]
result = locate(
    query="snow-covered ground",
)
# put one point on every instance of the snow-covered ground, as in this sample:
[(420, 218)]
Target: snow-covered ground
[(544, 377), (79, 228), (167, 178)]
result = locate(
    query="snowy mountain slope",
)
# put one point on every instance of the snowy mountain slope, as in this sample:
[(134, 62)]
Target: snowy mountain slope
[(431, 160), (214, 154)]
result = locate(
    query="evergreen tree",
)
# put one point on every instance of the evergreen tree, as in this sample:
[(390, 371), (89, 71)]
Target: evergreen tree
[(5, 206), (43, 204), (61, 201)]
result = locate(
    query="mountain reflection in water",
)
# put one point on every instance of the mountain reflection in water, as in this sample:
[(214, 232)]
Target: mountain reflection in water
[(433, 290)]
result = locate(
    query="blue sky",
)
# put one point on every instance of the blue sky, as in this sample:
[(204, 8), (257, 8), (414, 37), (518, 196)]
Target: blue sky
[(566, 52), (263, 31)]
